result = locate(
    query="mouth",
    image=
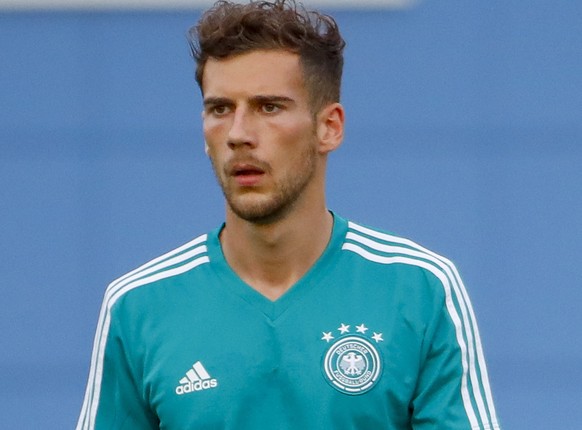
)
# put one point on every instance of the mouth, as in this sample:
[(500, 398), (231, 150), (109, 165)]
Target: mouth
[(246, 169), (246, 174)]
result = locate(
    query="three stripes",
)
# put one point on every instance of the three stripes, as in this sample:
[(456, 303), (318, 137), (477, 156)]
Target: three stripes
[(197, 373), (388, 249), (173, 263)]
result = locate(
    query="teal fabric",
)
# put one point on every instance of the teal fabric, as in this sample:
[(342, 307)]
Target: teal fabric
[(379, 334)]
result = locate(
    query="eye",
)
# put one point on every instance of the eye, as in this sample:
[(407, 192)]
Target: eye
[(270, 108), (220, 110)]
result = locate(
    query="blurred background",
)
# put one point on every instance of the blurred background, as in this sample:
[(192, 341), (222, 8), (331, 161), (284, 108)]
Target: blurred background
[(464, 133)]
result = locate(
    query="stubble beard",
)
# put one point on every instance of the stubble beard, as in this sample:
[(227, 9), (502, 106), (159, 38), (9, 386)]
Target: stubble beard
[(267, 209)]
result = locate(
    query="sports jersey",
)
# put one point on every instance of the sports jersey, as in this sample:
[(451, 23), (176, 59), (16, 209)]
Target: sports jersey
[(378, 334)]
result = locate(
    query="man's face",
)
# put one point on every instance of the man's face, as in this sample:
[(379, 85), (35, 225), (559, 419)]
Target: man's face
[(260, 132)]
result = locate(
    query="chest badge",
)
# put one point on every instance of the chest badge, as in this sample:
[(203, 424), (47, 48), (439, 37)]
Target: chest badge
[(352, 363)]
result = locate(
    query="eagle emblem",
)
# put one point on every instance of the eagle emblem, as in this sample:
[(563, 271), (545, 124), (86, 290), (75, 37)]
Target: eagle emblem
[(352, 364)]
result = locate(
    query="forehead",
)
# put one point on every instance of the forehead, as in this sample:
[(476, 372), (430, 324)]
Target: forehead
[(271, 72)]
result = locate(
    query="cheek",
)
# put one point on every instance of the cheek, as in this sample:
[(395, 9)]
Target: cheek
[(295, 133), (208, 130), (300, 140), (213, 129), (213, 139)]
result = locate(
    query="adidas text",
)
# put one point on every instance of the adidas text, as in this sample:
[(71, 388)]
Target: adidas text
[(197, 379), (196, 386)]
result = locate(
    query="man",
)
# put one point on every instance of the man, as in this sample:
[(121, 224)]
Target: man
[(287, 316)]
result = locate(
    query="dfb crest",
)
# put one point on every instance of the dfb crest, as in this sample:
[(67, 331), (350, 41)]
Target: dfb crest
[(352, 364)]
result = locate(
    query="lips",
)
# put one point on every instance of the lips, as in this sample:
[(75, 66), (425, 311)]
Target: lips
[(246, 169), (246, 174)]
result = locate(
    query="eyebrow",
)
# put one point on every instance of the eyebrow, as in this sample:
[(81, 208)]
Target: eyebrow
[(210, 101), (271, 99), (216, 101)]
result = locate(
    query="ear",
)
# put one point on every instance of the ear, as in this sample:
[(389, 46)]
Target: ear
[(206, 147), (330, 127)]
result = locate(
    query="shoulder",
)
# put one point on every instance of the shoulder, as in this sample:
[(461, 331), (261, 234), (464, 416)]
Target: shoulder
[(416, 273), (159, 271), (383, 248)]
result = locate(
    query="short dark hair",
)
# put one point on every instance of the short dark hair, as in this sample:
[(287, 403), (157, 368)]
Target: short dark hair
[(229, 29)]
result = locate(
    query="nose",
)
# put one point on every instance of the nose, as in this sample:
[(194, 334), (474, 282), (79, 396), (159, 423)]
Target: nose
[(240, 132)]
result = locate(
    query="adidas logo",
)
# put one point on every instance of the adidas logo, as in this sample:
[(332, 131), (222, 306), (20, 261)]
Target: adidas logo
[(196, 379)]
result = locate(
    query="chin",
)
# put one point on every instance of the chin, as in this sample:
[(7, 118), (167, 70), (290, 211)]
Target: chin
[(261, 213)]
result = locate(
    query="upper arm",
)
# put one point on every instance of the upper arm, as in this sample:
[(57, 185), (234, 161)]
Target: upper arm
[(453, 389), (113, 398)]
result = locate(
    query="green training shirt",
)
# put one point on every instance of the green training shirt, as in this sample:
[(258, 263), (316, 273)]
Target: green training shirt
[(379, 334)]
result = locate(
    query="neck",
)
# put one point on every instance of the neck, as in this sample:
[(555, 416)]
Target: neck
[(273, 257)]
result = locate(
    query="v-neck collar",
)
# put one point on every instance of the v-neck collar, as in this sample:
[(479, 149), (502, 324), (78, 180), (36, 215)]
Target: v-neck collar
[(231, 282)]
